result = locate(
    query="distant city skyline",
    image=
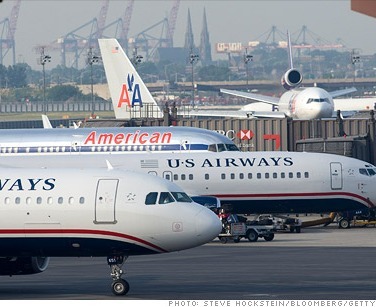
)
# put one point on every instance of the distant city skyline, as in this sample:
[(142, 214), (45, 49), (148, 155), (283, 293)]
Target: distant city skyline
[(40, 22)]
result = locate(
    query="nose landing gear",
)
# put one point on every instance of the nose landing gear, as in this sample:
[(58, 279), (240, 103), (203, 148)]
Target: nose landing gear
[(119, 286)]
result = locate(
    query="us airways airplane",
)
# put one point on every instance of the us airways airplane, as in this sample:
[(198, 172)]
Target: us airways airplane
[(297, 102), (114, 140), (251, 182), (115, 214)]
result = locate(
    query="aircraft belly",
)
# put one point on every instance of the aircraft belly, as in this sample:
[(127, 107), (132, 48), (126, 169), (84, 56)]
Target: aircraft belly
[(293, 205)]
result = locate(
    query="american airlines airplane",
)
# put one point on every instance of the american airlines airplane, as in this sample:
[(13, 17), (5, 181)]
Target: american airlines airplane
[(113, 140), (115, 214), (251, 182)]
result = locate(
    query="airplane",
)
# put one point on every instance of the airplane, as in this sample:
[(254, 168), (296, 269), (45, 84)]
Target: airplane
[(249, 182), (129, 93), (297, 102), (41, 141), (94, 212)]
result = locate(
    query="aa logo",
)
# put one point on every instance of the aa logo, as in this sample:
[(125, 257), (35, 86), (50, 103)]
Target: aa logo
[(130, 93)]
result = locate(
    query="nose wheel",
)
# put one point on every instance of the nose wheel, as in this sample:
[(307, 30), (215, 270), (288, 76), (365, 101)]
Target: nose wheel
[(119, 286)]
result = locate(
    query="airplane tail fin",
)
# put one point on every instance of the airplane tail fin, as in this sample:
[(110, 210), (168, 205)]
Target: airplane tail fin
[(292, 78), (130, 97)]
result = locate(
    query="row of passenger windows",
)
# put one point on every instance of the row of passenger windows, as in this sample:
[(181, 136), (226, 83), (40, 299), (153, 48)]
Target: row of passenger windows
[(46, 200), (242, 176)]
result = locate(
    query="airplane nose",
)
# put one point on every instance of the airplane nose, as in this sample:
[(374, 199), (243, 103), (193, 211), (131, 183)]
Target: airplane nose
[(208, 226)]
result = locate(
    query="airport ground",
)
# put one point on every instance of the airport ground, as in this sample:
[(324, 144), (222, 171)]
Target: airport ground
[(318, 263)]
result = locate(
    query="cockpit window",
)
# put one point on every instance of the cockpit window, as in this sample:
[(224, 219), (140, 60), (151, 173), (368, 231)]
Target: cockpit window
[(221, 147), (181, 197), (165, 198), (151, 198), (367, 171), (318, 100), (232, 147), (212, 147)]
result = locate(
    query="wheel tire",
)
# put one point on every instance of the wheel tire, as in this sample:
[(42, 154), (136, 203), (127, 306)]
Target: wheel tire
[(236, 239), (223, 240), (252, 235), (269, 237), (120, 287), (298, 229), (344, 223)]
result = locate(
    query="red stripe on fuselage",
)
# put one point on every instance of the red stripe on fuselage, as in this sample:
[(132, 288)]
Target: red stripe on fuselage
[(80, 232)]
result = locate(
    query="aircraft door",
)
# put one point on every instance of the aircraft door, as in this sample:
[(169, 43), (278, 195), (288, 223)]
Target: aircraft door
[(336, 175), (105, 201)]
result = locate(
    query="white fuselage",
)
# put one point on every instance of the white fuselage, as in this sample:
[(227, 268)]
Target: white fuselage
[(250, 181), (307, 103), (95, 212), (115, 140)]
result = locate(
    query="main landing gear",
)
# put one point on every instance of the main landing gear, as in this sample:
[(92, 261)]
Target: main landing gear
[(119, 286)]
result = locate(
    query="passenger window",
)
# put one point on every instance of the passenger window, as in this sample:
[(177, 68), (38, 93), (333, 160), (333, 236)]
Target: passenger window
[(306, 175), (249, 175), (298, 175), (39, 200), (82, 200), (182, 176), (151, 198), (206, 176), (223, 176), (275, 175), (176, 177), (258, 175), (60, 200), (232, 176), (190, 176), (283, 175), (165, 198), (241, 176), (266, 175), (17, 200), (49, 200), (291, 175)]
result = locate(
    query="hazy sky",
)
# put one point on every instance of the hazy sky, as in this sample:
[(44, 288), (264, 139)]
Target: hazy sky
[(43, 21)]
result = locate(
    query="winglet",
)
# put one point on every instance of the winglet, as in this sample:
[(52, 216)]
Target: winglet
[(46, 122), (109, 165)]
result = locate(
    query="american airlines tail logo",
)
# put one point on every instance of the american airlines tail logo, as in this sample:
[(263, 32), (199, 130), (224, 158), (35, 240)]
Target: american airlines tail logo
[(130, 93)]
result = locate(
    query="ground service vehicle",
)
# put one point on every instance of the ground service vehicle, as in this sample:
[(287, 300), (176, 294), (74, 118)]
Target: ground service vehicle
[(235, 227)]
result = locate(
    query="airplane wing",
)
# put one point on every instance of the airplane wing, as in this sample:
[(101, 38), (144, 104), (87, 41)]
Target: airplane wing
[(251, 96), (234, 114), (343, 92)]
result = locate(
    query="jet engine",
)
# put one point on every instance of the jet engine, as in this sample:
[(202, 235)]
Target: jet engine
[(291, 79), (23, 265)]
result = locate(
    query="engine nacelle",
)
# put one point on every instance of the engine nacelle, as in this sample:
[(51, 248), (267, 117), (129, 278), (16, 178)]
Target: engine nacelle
[(23, 265), (291, 79)]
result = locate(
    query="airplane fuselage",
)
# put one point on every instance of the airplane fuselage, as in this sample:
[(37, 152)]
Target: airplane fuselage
[(252, 182), (307, 103)]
